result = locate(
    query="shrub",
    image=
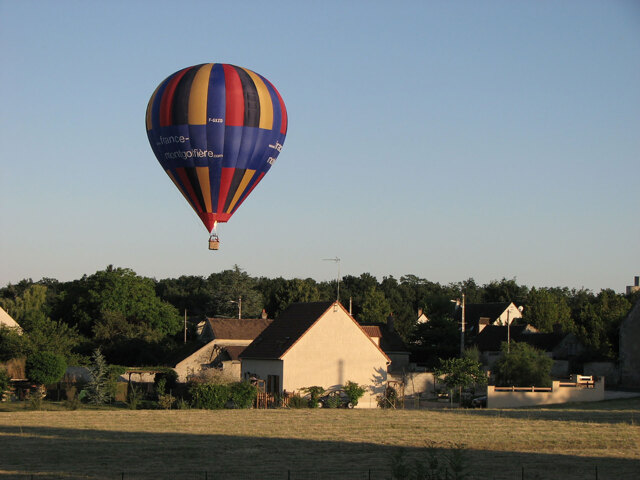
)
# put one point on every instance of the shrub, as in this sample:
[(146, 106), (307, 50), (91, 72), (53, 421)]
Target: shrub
[(389, 398), (314, 393), (523, 366), (209, 396), (354, 391), (45, 367), (296, 401), (243, 394), (4, 381), (169, 377)]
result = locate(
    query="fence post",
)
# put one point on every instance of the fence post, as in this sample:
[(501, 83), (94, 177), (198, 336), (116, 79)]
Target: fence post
[(288, 474), (522, 472), (596, 472)]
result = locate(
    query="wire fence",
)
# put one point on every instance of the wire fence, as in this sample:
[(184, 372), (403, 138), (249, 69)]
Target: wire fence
[(522, 473)]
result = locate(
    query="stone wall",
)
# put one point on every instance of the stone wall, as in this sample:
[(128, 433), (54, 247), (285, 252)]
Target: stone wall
[(560, 392)]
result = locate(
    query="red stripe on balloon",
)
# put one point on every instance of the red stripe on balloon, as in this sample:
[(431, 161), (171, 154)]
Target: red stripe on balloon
[(166, 105), (225, 183), (234, 116)]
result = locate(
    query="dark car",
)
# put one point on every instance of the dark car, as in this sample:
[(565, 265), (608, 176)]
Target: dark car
[(335, 399)]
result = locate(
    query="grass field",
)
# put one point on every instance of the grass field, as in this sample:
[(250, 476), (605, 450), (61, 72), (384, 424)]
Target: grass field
[(554, 443)]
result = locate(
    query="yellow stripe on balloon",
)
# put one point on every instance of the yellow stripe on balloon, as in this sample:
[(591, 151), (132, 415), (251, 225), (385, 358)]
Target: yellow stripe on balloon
[(266, 107), (198, 96), (205, 186), (150, 107), (248, 175)]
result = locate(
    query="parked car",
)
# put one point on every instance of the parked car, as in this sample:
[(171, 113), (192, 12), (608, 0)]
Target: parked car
[(479, 402), (335, 399)]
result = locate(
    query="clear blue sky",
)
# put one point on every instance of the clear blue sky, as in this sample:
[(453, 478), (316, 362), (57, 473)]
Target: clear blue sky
[(443, 139)]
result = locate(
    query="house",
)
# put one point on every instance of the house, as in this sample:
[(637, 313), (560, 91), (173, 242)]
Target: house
[(8, 322), (629, 354), (319, 344), (225, 339), (422, 317), (560, 346), (479, 315)]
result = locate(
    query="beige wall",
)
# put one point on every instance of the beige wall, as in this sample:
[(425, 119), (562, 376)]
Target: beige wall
[(509, 315), (557, 394), (416, 384), (262, 369)]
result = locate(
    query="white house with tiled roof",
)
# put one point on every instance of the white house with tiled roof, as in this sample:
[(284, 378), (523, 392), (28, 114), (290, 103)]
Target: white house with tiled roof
[(316, 344)]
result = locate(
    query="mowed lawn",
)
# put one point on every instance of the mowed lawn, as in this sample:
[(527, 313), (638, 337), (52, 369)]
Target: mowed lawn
[(552, 443)]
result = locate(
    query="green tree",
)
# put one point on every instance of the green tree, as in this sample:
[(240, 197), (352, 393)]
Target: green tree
[(98, 388), (438, 338), (45, 368), (228, 287), (522, 365), (375, 308), (460, 373), (546, 308)]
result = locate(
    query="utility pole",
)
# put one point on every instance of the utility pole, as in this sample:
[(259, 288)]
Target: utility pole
[(461, 304), (239, 302), (462, 330)]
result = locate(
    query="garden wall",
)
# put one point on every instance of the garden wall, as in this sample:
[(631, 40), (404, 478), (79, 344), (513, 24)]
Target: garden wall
[(560, 392)]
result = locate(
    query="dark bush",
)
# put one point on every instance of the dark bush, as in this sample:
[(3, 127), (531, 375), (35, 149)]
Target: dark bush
[(209, 396), (45, 367), (243, 394)]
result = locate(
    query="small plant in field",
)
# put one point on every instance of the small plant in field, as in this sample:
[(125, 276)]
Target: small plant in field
[(165, 400), (353, 391), (182, 404), (134, 398)]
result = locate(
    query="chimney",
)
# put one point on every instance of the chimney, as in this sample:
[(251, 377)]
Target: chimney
[(483, 322), (419, 312), (390, 325), (264, 314), (636, 281)]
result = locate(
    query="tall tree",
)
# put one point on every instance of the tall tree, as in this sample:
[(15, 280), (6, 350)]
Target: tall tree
[(546, 308), (375, 308)]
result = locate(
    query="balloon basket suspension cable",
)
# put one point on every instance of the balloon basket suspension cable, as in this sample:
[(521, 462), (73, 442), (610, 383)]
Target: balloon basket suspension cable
[(214, 241)]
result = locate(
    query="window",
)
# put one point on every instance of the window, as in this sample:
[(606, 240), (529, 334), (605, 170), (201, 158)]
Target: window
[(273, 384)]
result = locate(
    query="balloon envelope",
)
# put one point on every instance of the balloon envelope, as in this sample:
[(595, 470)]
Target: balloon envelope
[(216, 129)]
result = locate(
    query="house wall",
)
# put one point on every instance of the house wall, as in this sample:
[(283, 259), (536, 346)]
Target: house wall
[(602, 369), (332, 352), (558, 394), (262, 369), (509, 315), (193, 363), (629, 351)]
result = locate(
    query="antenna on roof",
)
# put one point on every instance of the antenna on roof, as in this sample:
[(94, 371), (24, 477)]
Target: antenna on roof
[(337, 260)]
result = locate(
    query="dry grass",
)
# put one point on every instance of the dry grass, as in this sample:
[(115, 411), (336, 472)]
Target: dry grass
[(561, 443)]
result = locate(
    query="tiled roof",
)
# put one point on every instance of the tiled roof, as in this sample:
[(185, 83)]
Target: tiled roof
[(372, 330), (237, 329), (278, 337), (234, 351)]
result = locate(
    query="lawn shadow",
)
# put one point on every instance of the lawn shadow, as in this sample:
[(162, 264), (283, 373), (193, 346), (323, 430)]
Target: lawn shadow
[(50, 453)]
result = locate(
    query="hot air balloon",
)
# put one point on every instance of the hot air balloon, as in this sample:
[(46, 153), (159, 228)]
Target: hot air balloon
[(216, 129)]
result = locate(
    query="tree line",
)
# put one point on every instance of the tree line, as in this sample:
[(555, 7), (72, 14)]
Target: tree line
[(138, 321)]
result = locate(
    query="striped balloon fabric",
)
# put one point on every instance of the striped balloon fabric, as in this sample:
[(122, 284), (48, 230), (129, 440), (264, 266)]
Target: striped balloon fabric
[(216, 129)]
